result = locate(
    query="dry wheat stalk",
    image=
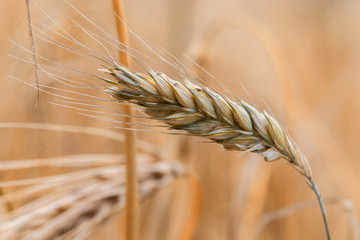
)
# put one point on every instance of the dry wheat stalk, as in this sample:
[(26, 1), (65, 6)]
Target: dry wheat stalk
[(132, 203), (74, 212)]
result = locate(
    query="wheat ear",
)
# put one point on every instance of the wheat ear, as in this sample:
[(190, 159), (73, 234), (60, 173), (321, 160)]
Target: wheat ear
[(74, 211), (202, 112)]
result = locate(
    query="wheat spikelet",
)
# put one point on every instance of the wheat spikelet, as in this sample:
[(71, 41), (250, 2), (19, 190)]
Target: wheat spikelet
[(78, 208), (202, 112)]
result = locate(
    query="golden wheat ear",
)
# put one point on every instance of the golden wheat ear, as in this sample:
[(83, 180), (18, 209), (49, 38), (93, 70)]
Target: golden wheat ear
[(200, 111)]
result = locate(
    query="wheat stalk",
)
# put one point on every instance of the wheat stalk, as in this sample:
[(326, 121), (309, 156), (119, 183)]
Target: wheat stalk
[(78, 208), (132, 205), (200, 111)]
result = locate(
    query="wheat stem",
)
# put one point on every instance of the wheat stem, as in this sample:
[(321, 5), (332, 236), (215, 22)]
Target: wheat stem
[(131, 209), (322, 208)]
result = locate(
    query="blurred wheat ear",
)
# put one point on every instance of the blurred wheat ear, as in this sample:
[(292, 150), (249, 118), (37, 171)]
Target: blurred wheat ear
[(72, 204), (76, 207)]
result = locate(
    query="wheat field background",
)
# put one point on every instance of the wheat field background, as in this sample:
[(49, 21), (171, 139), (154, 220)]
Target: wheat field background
[(297, 58)]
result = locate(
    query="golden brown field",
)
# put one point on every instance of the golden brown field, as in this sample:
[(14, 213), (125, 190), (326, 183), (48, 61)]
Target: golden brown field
[(295, 59)]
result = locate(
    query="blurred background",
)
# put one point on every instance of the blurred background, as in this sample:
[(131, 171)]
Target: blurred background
[(297, 59)]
